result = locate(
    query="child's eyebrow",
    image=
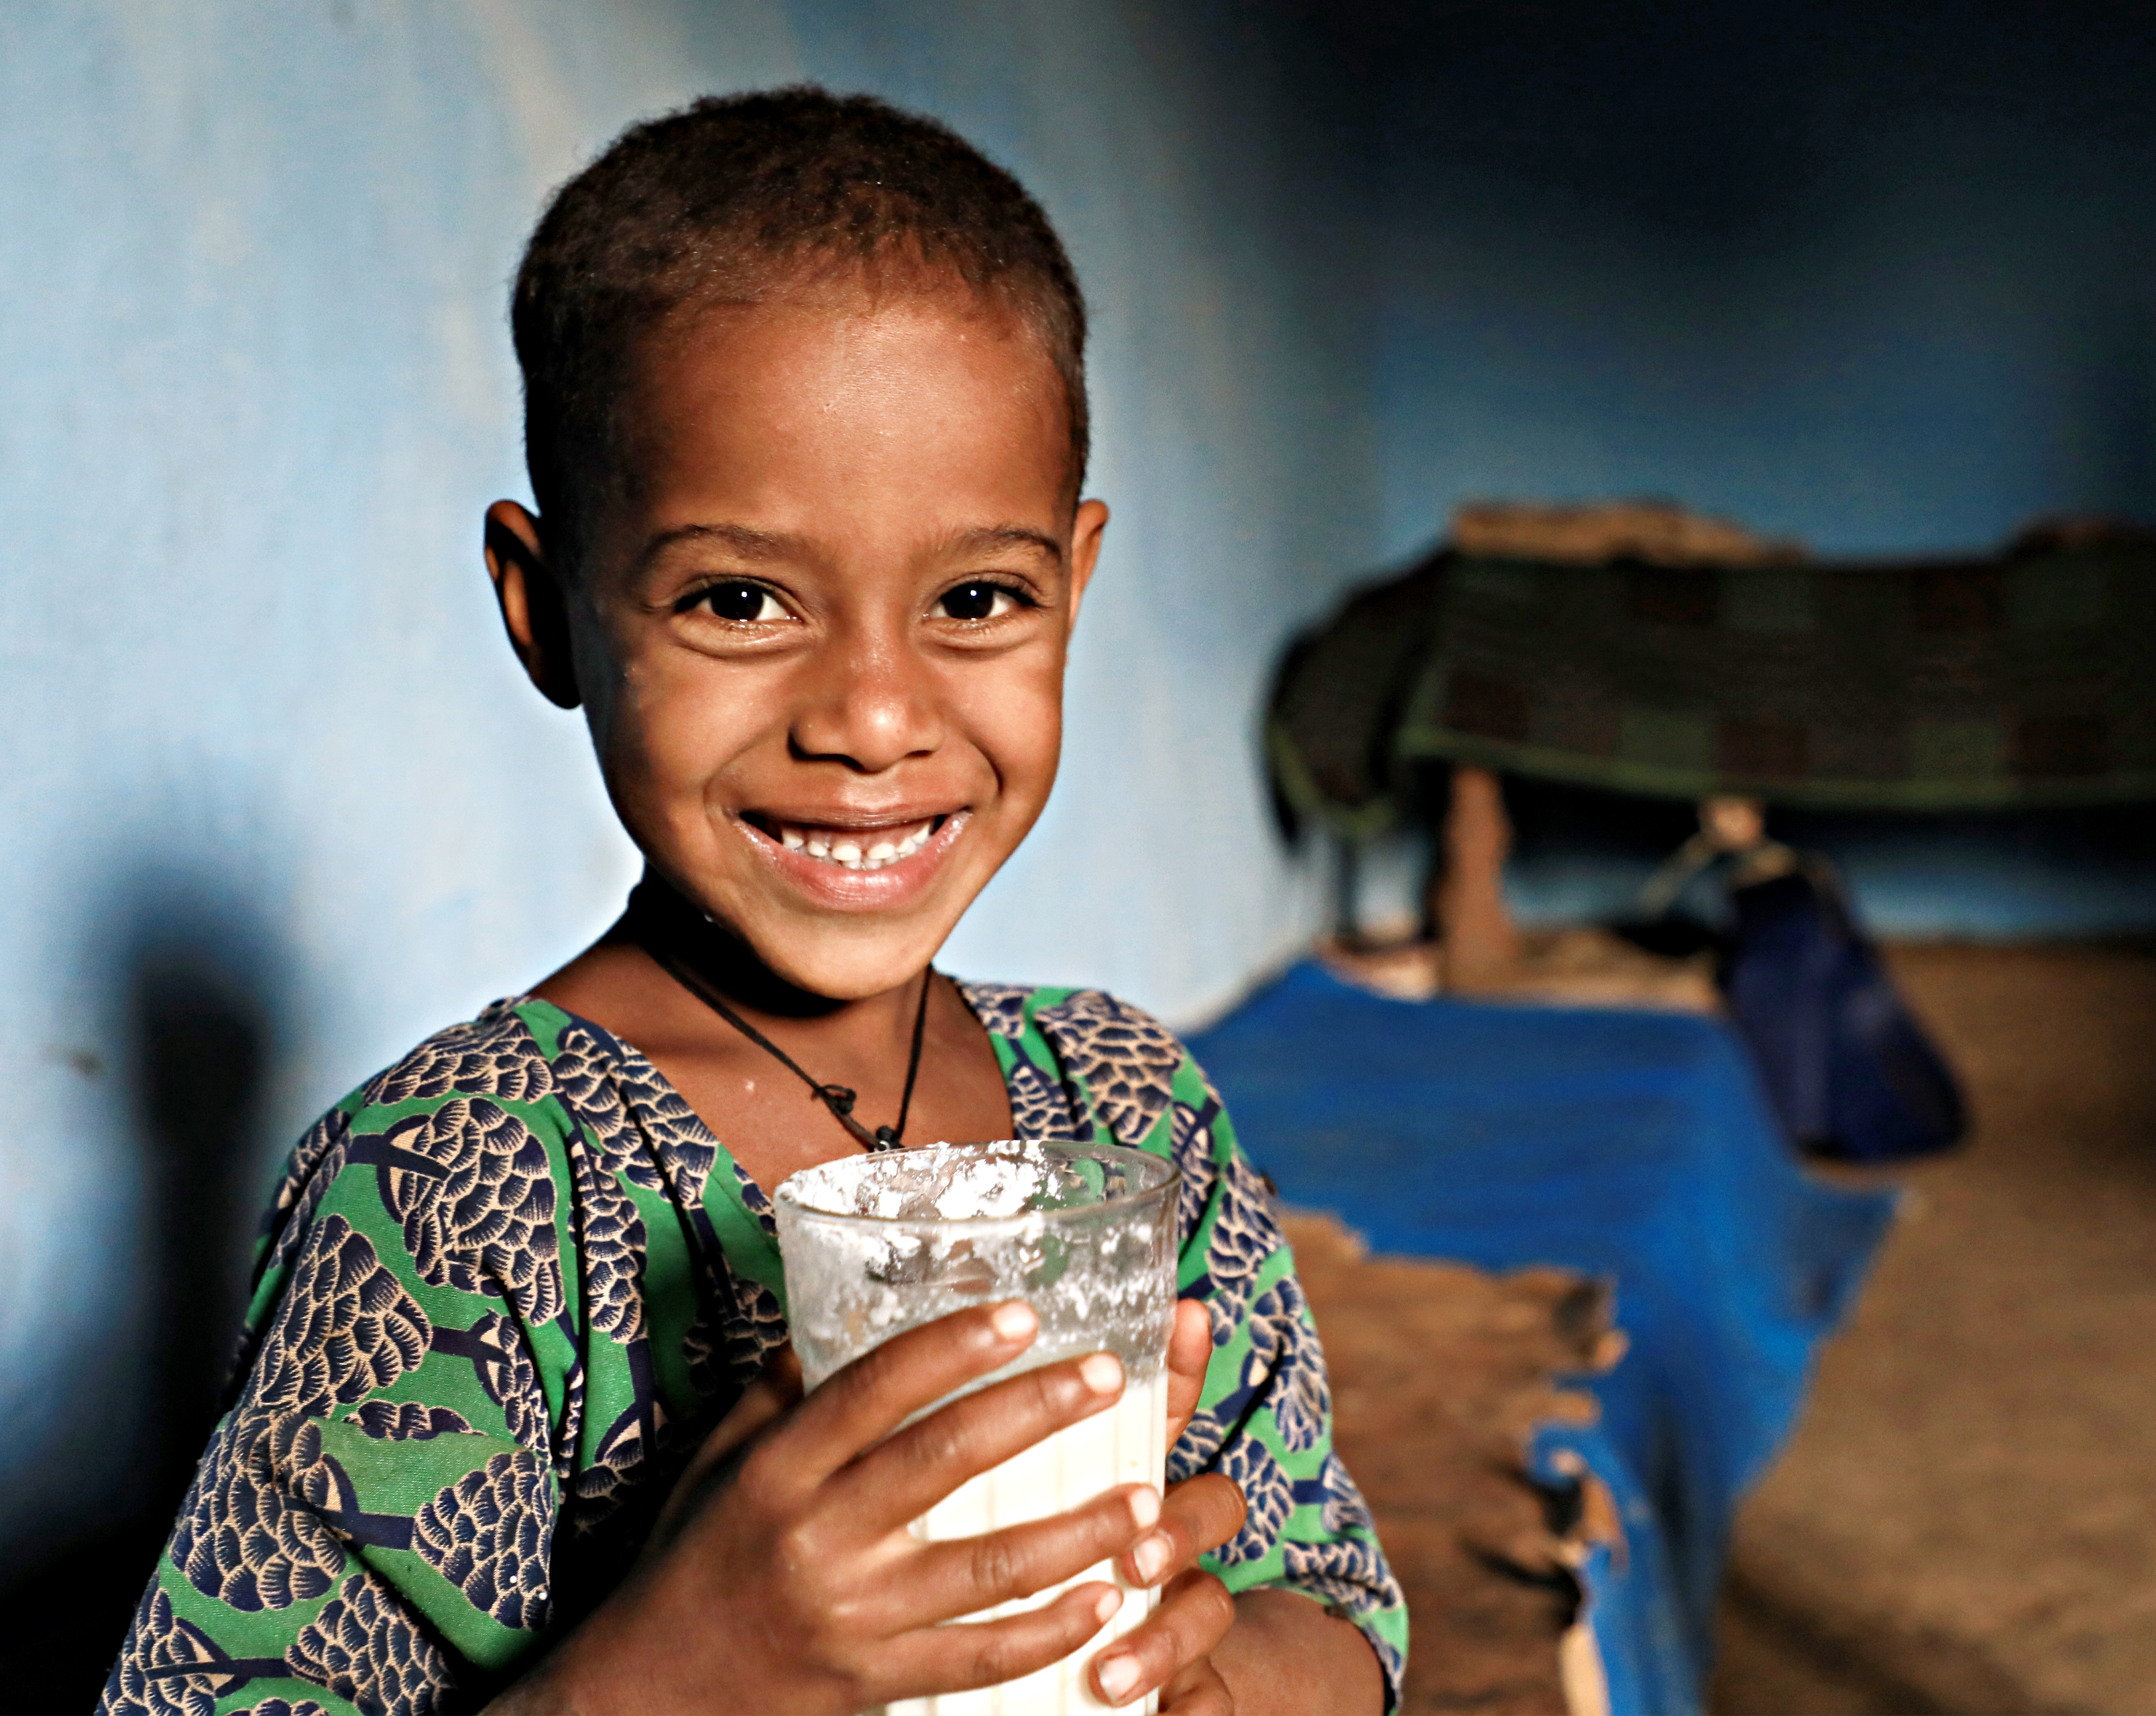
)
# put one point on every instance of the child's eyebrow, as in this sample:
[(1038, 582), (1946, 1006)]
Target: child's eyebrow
[(754, 544), (743, 539), (1009, 535)]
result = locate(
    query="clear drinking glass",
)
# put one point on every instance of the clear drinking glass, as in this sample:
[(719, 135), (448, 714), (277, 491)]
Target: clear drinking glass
[(876, 1245)]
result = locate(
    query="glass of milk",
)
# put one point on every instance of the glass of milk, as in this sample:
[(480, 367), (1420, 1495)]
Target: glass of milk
[(880, 1244)]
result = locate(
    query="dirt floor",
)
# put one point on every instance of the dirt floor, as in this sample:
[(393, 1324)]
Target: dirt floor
[(1966, 1519), (1440, 1374)]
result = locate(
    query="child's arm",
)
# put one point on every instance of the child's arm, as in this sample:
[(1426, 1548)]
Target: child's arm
[(1287, 1656)]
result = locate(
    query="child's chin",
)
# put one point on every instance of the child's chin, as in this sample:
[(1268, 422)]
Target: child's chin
[(849, 962)]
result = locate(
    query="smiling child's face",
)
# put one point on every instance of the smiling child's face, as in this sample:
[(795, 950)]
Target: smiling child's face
[(821, 642)]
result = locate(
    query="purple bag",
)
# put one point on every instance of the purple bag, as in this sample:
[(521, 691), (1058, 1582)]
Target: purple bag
[(1846, 1067)]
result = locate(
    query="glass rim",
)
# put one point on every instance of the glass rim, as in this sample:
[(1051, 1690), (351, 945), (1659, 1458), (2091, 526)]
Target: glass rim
[(1171, 1178)]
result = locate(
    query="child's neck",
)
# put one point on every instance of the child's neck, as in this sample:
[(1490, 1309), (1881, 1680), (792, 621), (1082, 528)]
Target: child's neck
[(759, 1109)]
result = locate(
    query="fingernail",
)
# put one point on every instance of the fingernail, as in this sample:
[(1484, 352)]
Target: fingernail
[(1102, 1373), (1104, 1612), (1144, 1506), (1117, 1676), (1013, 1321), (1151, 1557)]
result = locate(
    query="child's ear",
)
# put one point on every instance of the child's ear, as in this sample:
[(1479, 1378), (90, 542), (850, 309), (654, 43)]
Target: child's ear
[(533, 608), (1085, 532)]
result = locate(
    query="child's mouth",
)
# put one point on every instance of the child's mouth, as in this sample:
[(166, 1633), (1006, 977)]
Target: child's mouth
[(851, 848)]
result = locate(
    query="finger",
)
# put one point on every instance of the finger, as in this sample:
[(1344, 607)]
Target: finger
[(766, 1399), (778, 1389), (1189, 1351), (862, 1403), (1194, 1615), (1196, 1516), (924, 1462), (1198, 1691), (958, 1658), (965, 1576)]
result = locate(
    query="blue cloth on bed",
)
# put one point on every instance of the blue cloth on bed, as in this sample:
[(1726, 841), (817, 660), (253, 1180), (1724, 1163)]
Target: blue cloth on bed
[(1632, 1145)]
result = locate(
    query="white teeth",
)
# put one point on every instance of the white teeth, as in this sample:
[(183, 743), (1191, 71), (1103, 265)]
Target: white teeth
[(860, 852)]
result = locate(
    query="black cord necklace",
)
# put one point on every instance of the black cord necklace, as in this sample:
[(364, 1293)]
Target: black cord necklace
[(839, 1098)]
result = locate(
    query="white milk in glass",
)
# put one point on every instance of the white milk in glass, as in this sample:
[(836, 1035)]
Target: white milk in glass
[(1085, 1234), (1127, 1444)]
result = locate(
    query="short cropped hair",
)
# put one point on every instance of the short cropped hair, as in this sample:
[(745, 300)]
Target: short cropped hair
[(734, 196)]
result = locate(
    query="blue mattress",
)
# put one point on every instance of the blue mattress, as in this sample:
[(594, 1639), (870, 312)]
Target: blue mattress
[(1632, 1145)]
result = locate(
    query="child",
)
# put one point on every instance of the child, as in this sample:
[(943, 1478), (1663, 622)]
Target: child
[(805, 414)]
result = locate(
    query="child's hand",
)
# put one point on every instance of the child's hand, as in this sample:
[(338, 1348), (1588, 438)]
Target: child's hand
[(782, 1579), (1173, 1649)]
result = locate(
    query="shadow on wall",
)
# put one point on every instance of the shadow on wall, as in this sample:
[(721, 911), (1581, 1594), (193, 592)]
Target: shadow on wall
[(194, 990)]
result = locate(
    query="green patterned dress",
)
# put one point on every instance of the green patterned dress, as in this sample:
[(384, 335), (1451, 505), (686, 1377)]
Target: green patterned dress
[(506, 1286)]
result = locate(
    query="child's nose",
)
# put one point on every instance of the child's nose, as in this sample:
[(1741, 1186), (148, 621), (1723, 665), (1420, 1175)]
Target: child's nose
[(870, 704)]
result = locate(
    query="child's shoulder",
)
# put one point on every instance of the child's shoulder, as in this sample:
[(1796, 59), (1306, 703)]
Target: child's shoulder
[(454, 1122), (1091, 1025), (519, 1050), (1130, 1069), (498, 1054), (464, 1108)]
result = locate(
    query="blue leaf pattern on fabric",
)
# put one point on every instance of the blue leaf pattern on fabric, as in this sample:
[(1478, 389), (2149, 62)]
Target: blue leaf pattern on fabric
[(503, 1364), (1039, 1108), (611, 1243), (483, 1221), (408, 1421), (347, 1328), (363, 1648), (999, 1006), (1284, 1351), (621, 1451), (1245, 1236), (1198, 1447), (490, 1533), (492, 1057), (1190, 1143), (1267, 1492), (1126, 1060), (160, 1640)]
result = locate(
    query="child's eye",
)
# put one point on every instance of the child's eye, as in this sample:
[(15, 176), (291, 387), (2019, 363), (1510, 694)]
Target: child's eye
[(978, 600), (741, 601)]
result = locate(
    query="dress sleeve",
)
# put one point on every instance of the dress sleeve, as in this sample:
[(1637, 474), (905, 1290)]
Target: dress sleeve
[(368, 1530), (1266, 1415)]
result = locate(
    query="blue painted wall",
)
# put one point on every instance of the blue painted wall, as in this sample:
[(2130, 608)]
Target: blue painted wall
[(1876, 277), (276, 802)]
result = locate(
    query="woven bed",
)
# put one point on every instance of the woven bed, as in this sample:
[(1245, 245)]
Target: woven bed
[(2027, 679)]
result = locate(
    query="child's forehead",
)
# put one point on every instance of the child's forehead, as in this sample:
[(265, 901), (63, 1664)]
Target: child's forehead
[(814, 417), (910, 367), (912, 314)]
